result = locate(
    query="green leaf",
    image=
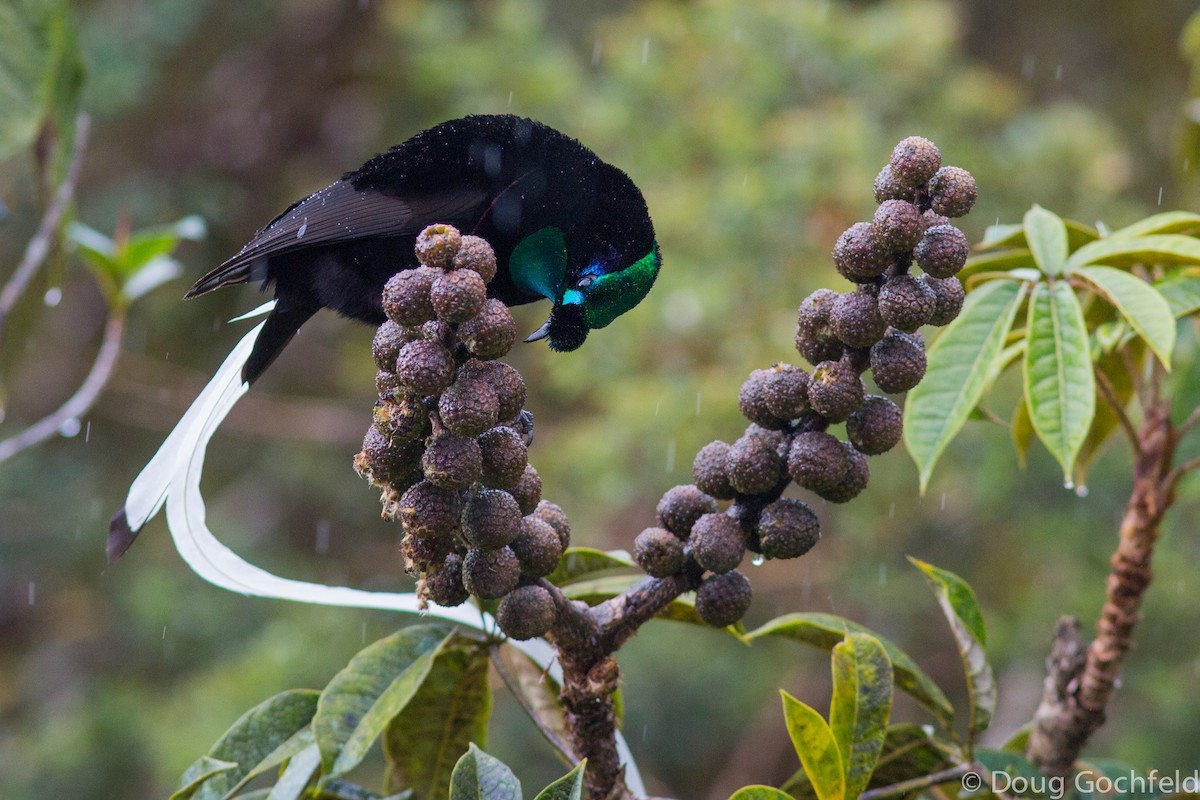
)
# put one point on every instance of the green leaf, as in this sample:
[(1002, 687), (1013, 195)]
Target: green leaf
[(1002, 235), (300, 740), (478, 776), (1022, 431), (297, 774), (861, 705), (34, 35), (201, 770), (1059, 384), (960, 361), (1166, 248), (909, 751), (259, 736), (1146, 310), (568, 787), (1181, 290), (1079, 234), (827, 630), (818, 750), (1007, 766), (370, 691), (961, 609), (1000, 261), (760, 793), (579, 562), (1046, 236), (1166, 222), (450, 710)]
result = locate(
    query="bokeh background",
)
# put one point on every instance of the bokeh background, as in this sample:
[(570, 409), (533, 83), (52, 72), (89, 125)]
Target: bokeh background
[(755, 130)]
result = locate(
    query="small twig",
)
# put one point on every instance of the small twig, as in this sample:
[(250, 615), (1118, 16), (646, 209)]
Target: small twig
[(83, 399), (1178, 472), (1109, 393), (39, 246), (1186, 426), (917, 784)]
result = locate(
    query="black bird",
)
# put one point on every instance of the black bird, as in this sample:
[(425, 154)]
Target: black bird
[(565, 226)]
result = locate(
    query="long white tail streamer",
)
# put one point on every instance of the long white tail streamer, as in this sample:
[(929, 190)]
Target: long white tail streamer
[(173, 476)]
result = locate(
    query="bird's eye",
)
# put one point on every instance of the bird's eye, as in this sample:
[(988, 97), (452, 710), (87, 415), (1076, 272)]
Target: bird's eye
[(585, 282)]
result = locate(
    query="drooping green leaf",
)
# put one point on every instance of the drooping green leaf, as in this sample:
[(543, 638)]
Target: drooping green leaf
[(1046, 236), (1181, 290), (260, 735), (450, 710), (297, 774), (1059, 385), (827, 630), (1164, 248), (814, 743), (300, 740), (201, 770), (760, 793), (579, 562), (961, 609), (1022, 431), (568, 787), (357, 705), (960, 361), (1146, 310), (1167, 222), (479, 776), (1008, 356), (537, 694), (861, 705)]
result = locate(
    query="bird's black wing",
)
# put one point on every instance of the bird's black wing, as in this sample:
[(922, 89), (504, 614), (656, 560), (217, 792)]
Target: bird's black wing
[(340, 213)]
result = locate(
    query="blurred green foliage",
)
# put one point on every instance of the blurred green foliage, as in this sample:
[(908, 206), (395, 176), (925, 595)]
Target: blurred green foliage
[(755, 132)]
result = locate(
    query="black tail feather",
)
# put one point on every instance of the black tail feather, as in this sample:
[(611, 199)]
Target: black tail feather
[(281, 326)]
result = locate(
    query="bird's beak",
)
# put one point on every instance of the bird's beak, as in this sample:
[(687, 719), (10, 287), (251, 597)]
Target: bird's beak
[(540, 333)]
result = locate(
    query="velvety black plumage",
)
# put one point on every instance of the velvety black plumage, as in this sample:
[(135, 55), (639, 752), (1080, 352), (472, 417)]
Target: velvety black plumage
[(500, 177)]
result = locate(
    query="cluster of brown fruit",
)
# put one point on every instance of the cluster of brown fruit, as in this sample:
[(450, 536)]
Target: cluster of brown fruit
[(448, 443), (843, 335)]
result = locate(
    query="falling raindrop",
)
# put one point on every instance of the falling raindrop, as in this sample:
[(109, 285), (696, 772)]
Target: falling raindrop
[(597, 48), (646, 50), (364, 631), (510, 94), (1081, 490), (670, 455), (52, 297), (883, 574), (943, 504), (87, 432), (1058, 72), (758, 559), (657, 403), (70, 427), (1160, 190), (32, 592), (321, 545), (164, 634), (891, 510)]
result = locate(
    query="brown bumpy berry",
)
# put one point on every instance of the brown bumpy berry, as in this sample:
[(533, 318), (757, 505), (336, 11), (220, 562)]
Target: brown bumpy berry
[(835, 390), (786, 391), (753, 465), (888, 188), (468, 407), (905, 303), (437, 245), (457, 296), (752, 401), (388, 385), (452, 462), (527, 490), (710, 473), (387, 343), (723, 599), (444, 585), (853, 481), (557, 518), (424, 368), (490, 574), (526, 613), (718, 542), (406, 296), (859, 255), (952, 191), (385, 460), (876, 427), (476, 254), (506, 383), (538, 547), (948, 298), (492, 333), (681, 506), (855, 318), (491, 519), (427, 510), (817, 461), (403, 419), (942, 251), (504, 457), (423, 553), (897, 362), (787, 528), (814, 338), (914, 161), (897, 224), (929, 219), (658, 552), (437, 331)]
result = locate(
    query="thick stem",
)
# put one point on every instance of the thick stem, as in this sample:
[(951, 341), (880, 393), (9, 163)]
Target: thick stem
[(1078, 689)]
